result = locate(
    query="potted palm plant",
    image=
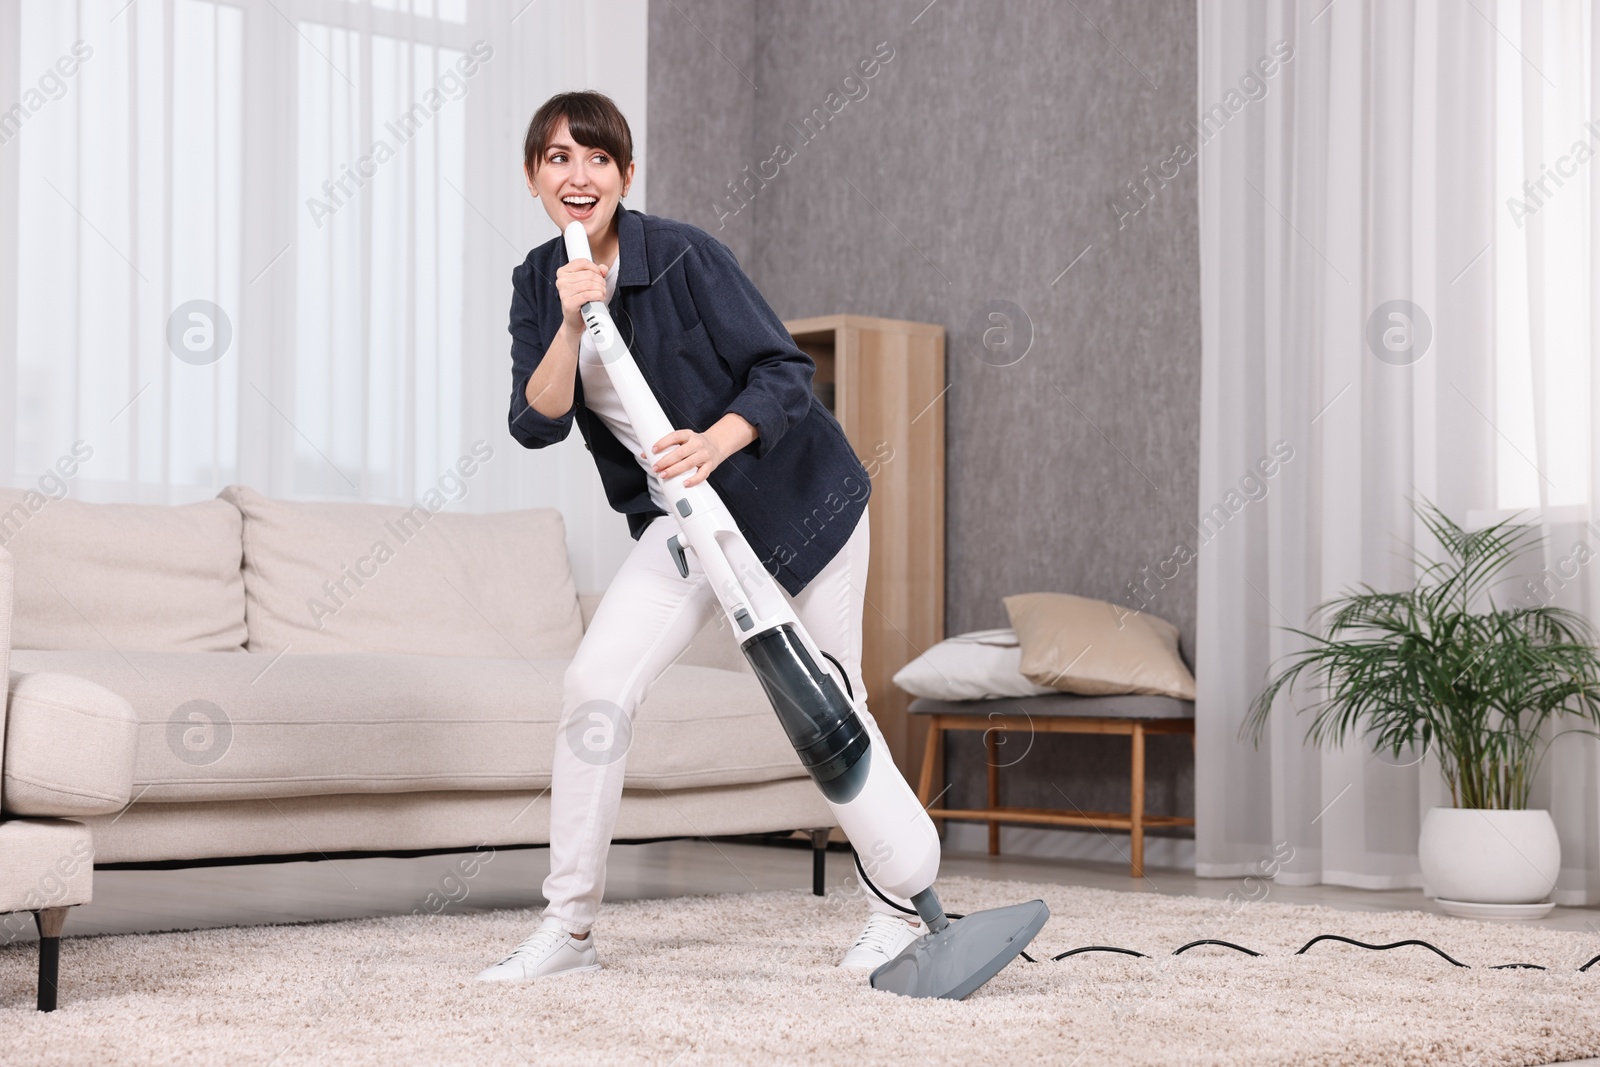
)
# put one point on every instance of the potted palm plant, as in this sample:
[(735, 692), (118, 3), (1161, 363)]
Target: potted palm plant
[(1442, 667)]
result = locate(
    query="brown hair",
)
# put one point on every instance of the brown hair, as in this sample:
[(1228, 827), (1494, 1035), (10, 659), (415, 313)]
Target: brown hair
[(594, 120)]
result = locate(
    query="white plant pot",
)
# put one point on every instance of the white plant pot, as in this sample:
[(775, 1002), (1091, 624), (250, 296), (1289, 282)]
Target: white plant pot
[(1489, 857)]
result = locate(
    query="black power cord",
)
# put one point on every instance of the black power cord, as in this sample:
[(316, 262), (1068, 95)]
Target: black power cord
[(1229, 944), (1324, 937), (848, 688), (878, 892), (1396, 944), (1096, 948), (1212, 941)]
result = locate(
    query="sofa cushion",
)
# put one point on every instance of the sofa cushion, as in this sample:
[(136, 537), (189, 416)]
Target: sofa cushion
[(337, 577), (977, 665), (220, 726), (1093, 647), (69, 747), (124, 576)]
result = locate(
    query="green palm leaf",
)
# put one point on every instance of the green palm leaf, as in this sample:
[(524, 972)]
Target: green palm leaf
[(1443, 667)]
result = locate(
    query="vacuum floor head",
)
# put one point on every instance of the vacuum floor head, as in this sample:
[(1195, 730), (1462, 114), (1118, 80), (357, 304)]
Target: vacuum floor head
[(952, 962)]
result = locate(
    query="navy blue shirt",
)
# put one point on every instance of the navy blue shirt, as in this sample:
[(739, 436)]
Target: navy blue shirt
[(707, 344)]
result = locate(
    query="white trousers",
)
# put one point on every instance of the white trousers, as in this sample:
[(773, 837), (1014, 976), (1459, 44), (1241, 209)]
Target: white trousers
[(648, 616)]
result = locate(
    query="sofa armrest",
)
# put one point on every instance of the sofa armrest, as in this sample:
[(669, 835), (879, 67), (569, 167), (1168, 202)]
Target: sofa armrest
[(72, 746)]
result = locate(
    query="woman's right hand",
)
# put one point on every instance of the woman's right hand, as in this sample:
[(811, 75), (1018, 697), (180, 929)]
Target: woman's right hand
[(579, 281)]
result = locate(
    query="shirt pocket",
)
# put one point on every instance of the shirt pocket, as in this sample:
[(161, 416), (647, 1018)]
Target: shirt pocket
[(701, 382), (692, 341)]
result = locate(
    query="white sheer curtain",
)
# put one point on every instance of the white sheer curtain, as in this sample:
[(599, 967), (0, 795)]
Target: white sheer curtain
[(338, 183), (1380, 165)]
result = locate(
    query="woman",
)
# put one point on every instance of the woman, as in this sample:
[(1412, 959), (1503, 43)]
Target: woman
[(725, 370)]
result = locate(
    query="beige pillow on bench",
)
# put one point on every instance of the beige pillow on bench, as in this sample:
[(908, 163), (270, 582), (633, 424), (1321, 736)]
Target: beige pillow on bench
[(1092, 647)]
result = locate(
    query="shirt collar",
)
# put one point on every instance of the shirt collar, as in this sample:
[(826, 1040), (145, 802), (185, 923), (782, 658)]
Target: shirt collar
[(630, 246)]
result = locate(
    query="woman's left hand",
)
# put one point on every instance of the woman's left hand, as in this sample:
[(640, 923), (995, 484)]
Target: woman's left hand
[(690, 448)]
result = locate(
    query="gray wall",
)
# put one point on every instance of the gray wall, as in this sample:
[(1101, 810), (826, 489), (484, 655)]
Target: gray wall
[(702, 112), (984, 157)]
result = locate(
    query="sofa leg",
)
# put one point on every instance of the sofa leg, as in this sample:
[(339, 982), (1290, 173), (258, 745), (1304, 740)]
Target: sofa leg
[(50, 921), (819, 862)]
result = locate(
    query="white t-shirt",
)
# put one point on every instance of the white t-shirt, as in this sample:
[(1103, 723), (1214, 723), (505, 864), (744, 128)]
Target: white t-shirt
[(601, 398)]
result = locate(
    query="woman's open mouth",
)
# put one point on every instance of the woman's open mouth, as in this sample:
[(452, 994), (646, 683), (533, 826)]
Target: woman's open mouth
[(579, 207)]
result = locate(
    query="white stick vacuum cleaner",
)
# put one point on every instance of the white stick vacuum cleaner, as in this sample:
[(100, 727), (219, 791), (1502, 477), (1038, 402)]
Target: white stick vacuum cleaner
[(892, 834)]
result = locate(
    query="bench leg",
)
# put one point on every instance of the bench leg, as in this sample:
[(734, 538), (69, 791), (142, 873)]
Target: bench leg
[(819, 862), (930, 756), (50, 921), (993, 747), (1136, 809)]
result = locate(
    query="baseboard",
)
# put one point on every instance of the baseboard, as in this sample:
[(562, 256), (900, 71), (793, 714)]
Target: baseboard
[(1048, 843)]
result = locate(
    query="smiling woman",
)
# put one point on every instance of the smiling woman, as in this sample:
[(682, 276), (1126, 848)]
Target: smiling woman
[(730, 377)]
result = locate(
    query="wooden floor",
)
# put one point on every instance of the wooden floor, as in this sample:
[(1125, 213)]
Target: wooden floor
[(141, 901)]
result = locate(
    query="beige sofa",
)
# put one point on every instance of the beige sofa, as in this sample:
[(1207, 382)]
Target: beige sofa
[(251, 677)]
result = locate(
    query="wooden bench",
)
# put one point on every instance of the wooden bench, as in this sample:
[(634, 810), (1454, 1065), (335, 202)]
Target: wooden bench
[(1135, 717)]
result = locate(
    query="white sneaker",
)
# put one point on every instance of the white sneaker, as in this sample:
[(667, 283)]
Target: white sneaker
[(550, 951), (882, 939)]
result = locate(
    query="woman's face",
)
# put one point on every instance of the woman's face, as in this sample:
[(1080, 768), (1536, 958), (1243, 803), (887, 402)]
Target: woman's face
[(579, 182)]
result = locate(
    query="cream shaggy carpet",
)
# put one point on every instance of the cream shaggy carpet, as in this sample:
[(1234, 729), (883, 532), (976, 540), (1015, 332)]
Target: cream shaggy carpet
[(750, 978)]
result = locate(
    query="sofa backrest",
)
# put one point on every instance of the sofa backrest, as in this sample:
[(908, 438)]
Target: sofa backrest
[(131, 577), (353, 577)]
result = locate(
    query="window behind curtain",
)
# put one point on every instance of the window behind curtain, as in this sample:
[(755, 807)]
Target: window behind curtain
[(378, 293), (132, 192), (1543, 248), (100, 272)]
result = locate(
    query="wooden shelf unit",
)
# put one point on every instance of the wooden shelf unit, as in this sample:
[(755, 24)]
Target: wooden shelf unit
[(883, 379)]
